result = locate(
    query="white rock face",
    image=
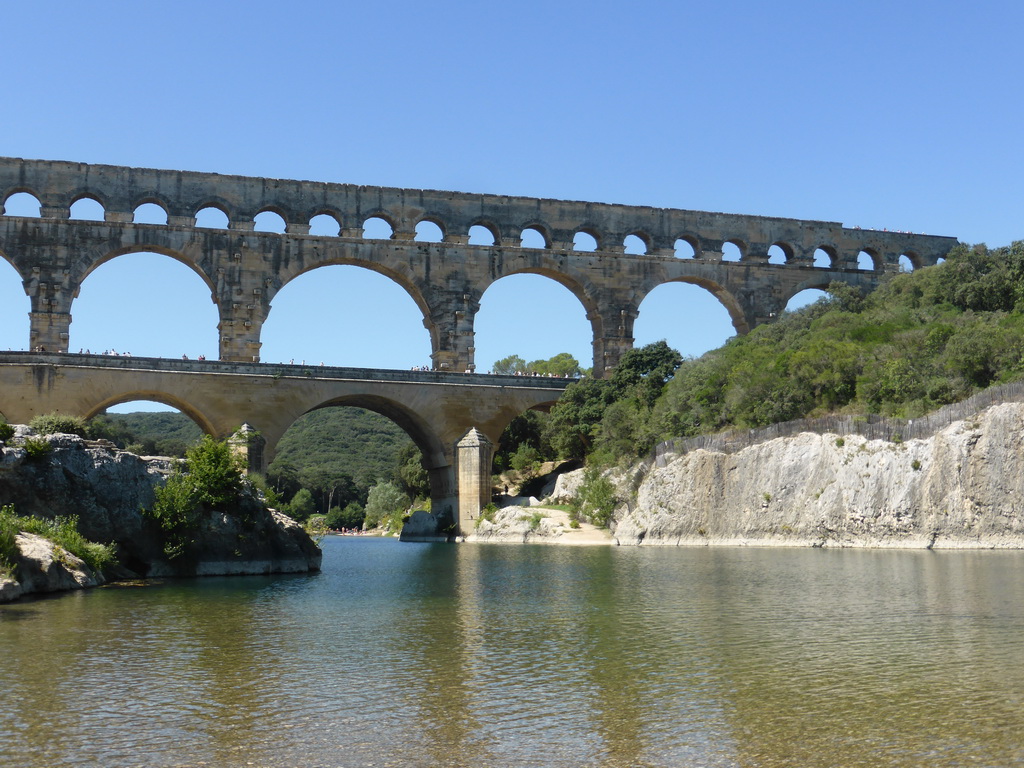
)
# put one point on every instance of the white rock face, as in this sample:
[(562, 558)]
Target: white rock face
[(45, 567), (961, 488)]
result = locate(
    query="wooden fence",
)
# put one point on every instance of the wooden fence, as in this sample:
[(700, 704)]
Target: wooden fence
[(872, 426)]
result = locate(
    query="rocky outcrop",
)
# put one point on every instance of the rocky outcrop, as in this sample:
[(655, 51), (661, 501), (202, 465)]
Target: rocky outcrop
[(42, 566), (961, 488), (107, 489)]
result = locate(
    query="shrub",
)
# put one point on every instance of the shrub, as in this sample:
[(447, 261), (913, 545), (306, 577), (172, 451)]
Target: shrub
[(53, 423), (6, 431), (211, 475), (384, 501), (37, 448), (595, 499), (62, 531)]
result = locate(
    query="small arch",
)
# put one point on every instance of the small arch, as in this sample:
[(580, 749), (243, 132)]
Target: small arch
[(269, 221), (732, 250), (637, 244), (212, 217), (906, 263), (87, 209), (483, 234), (867, 260), (428, 231), (22, 204), (685, 248), (378, 228), (324, 225), (824, 257), (534, 237), (584, 241), (149, 213), (805, 297), (780, 253)]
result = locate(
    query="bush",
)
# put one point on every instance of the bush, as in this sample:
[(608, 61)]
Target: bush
[(59, 423), (62, 531), (595, 500), (37, 448), (382, 504), (210, 475), (6, 431)]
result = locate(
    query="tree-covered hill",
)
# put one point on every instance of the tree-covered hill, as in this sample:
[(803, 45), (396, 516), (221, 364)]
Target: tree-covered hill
[(922, 340)]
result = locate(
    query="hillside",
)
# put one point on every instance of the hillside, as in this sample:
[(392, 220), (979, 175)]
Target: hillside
[(922, 340)]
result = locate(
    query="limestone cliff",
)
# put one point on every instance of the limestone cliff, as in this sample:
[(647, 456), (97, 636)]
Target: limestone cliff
[(107, 489), (961, 488)]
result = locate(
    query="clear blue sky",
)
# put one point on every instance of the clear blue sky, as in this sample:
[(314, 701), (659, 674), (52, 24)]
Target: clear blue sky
[(905, 115)]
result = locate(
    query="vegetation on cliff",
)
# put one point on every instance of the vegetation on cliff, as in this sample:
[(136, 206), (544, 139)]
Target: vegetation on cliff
[(922, 340), (210, 478), (61, 531)]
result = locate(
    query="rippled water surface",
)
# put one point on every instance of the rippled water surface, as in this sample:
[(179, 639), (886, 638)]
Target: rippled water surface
[(533, 656)]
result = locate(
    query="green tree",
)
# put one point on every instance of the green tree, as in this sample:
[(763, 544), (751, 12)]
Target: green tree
[(384, 500), (509, 366), (302, 505)]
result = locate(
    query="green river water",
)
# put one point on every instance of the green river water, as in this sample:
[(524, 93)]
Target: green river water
[(468, 655)]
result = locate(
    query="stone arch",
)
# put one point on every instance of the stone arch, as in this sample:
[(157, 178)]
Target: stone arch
[(201, 420), (869, 259), (148, 200), (19, 190), (84, 193), (741, 246), (488, 225), (811, 283), (201, 324), (437, 455), (589, 231), (407, 283), (914, 258), (217, 204), (384, 215), (425, 236), (787, 249), (732, 305), (540, 228), (629, 243), (86, 266), (830, 252), (14, 330), (585, 293), (273, 214), (327, 213), (87, 197), (688, 240)]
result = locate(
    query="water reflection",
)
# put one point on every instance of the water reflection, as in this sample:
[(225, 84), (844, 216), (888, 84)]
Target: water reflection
[(436, 655)]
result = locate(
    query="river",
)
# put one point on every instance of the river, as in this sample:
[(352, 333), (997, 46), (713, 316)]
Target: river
[(432, 655)]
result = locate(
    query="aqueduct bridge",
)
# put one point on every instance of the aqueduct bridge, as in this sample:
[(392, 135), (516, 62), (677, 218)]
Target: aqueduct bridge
[(245, 269), (455, 419)]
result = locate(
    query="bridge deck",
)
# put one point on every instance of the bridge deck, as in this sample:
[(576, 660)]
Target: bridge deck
[(279, 370)]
